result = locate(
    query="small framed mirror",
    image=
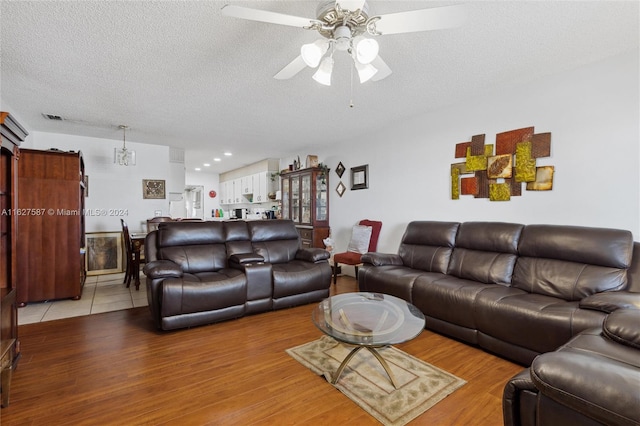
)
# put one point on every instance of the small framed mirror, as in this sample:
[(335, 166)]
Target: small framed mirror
[(359, 177)]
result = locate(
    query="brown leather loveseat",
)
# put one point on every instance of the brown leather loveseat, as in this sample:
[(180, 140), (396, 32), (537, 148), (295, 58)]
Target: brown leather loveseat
[(203, 272)]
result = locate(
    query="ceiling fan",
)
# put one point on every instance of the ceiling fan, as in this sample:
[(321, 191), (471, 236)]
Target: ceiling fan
[(343, 25)]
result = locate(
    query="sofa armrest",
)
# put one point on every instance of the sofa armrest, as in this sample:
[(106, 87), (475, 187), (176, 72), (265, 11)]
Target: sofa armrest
[(590, 384), (611, 301), (519, 400), (162, 269), (243, 258), (312, 254), (382, 259)]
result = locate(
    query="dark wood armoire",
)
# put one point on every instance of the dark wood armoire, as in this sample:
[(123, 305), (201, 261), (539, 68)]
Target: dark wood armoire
[(51, 240), (11, 136)]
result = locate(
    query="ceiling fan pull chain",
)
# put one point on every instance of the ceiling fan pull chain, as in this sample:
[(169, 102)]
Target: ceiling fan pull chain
[(351, 100)]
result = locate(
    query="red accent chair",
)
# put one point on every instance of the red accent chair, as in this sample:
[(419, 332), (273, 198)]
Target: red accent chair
[(353, 258)]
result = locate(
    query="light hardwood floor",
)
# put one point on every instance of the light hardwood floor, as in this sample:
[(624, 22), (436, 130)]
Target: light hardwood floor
[(115, 368)]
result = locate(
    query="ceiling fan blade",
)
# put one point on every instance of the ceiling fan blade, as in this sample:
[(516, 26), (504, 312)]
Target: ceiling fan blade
[(351, 4), (422, 20), (383, 69), (265, 16), (293, 68)]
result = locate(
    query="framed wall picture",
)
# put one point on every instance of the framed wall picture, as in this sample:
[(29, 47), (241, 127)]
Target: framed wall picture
[(359, 177), (340, 189), (340, 169), (153, 189), (104, 253)]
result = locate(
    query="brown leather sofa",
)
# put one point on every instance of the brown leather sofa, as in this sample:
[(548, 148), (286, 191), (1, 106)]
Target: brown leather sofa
[(514, 290), (521, 291), (203, 272)]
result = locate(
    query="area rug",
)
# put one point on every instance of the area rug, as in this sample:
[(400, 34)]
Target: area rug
[(364, 381)]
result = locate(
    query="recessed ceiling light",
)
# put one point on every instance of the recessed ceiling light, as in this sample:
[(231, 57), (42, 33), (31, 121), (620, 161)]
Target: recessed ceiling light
[(197, 169), (217, 159), (228, 154), (206, 164)]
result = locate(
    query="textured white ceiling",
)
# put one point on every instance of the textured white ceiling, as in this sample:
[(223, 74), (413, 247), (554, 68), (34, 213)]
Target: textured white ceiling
[(180, 74)]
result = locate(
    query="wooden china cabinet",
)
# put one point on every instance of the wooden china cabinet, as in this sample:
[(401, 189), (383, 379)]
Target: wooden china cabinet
[(51, 232), (305, 200), (11, 136)]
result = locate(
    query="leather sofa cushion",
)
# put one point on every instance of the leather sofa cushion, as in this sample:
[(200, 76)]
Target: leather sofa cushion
[(272, 230), (500, 237), (298, 277), (182, 233), (238, 240), (565, 280), (282, 251), (277, 241), (596, 246), (533, 321), (483, 267), (485, 252), (395, 280), (623, 326), (572, 262), (427, 245), (448, 298), (203, 292), (197, 258)]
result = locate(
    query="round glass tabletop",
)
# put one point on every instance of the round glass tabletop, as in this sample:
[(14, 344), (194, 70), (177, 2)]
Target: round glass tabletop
[(368, 319)]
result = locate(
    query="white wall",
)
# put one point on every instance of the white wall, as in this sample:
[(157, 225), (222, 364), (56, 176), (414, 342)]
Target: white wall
[(114, 188), (592, 114)]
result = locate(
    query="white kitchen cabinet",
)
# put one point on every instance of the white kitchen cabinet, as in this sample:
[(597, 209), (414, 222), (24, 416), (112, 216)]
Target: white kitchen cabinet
[(246, 185), (227, 196), (262, 186), (237, 192)]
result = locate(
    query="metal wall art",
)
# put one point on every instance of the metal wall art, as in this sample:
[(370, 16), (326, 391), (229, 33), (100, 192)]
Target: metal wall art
[(499, 176)]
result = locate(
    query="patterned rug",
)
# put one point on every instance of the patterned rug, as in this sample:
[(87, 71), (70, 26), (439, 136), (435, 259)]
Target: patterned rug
[(364, 381)]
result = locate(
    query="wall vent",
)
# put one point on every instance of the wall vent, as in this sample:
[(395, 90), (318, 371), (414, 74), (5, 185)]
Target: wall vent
[(176, 155), (52, 117)]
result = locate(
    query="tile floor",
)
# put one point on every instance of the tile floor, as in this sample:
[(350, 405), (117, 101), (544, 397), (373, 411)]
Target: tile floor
[(101, 293)]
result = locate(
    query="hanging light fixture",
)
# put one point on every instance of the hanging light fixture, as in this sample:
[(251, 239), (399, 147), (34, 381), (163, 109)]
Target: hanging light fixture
[(124, 156)]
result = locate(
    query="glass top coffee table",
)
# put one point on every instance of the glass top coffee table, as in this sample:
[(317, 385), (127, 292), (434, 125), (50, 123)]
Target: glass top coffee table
[(368, 320)]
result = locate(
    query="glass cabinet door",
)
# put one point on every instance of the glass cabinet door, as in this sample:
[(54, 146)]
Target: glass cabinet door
[(285, 198), (321, 198), (295, 199), (305, 202)]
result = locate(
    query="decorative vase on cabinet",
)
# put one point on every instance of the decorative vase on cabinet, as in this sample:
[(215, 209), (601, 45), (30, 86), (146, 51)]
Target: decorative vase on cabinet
[(305, 201)]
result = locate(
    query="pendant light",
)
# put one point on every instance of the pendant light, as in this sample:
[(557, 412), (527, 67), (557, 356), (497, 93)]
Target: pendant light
[(124, 156)]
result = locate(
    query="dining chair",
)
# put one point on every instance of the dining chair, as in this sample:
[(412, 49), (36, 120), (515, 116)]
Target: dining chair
[(357, 247), (128, 248), (152, 224)]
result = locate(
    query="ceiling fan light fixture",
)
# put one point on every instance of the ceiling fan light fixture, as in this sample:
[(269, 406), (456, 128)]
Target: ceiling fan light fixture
[(366, 49), (342, 37), (312, 52), (323, 75), (365, 71)]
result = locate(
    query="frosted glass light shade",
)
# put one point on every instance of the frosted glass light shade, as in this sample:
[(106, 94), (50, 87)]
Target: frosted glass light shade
[(366, 49), (323, 75), (312, 53), (365, 71)]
